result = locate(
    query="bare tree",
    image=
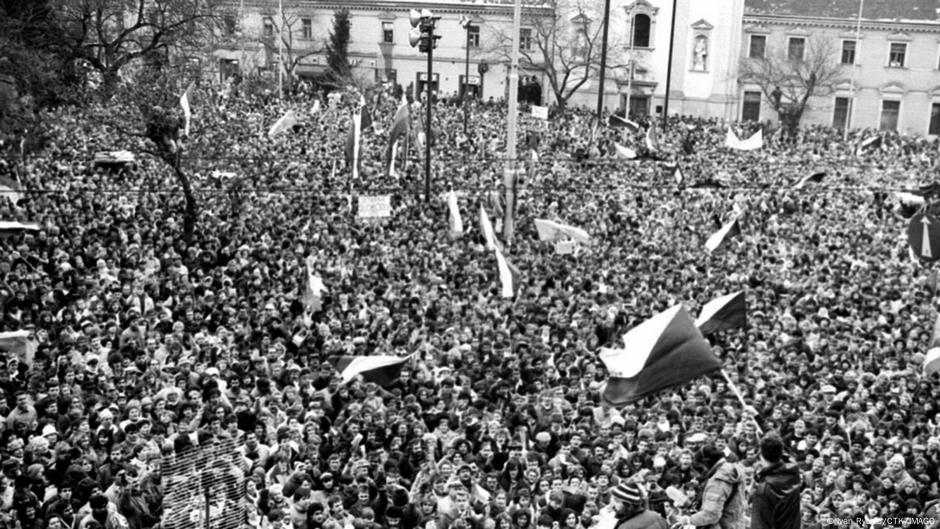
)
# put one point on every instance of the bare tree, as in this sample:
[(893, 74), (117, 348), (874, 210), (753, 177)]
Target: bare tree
[(108, 35), (294, 52), (564, 44), (790, 77)]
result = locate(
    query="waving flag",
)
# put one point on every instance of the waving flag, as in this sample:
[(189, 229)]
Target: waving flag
[(624, 152), (456, 223), (314, 288), (18, 343), (10, 188), (187, 112), (616, 122), (379, 369), (723, 313), (12, 227), (361, 120), (652, 138), (756, 141), (399, 129), (813, 178), (508, 276), (553, 231), (486, 229), (869, 145), (284, 124), (664, 351), (932, 362), (726, 232)]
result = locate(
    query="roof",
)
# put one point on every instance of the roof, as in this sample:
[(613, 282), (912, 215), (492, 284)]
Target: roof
[(914, 10)]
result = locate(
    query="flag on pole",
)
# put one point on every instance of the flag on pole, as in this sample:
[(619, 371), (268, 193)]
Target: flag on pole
[(908, 204), (11, 227), (869, 145), (616, 122), (726, 232), (723, 313), (361, 121), (553, 231), (487, 230), (664, 351), (314, 288), (391, 163), (932, 362), (652, 138), (10, 188), (813, 178), (284, 124), (456, 223), (532, 143), (19, 344), (187, 112), (399, 129), (379, 369), (508, 276), (625, 152)]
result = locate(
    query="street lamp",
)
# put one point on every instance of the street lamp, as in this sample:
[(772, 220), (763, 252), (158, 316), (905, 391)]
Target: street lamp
[(465, 24), (422, 36)]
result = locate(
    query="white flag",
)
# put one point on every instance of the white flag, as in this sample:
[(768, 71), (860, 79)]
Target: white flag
[(456, 223), (487, 230), (287, 122), (187, 112)]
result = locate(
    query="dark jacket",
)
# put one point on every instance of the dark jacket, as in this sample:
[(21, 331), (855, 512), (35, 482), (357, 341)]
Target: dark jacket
[(775, 503), (644, 520)]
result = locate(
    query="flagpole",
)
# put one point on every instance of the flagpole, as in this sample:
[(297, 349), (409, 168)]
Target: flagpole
[(858, 48), (509, 174), (672, 38), (280, 47), (600, 88), (737, 393)]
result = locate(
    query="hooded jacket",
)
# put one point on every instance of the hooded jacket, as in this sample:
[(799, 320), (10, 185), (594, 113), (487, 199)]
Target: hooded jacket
[(775, 503), (722, 498)]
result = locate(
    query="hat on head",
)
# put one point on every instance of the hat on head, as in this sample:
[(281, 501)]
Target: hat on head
[(628, 493)]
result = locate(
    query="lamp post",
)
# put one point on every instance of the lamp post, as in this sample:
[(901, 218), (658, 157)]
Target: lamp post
[(422, 36), (465, 23)]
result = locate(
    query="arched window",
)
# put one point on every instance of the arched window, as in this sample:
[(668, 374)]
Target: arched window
[(641, 31)]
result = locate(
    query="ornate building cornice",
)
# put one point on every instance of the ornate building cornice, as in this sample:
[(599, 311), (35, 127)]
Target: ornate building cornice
[(907, 26), (485, 7)]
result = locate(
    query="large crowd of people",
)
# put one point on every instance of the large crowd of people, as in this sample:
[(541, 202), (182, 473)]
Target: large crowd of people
[(174, 385)]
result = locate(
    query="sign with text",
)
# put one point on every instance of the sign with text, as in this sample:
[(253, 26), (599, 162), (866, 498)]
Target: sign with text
[(540, 112), (379, 206)]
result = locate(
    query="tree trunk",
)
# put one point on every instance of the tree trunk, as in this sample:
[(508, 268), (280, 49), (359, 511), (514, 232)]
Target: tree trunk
[(189, 217), (790, 117)]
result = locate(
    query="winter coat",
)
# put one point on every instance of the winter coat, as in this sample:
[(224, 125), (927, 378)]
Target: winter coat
[(775, 503), (722, 498), (644, 520)]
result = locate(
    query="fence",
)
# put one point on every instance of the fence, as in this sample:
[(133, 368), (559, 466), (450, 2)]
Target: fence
[(204, 487)]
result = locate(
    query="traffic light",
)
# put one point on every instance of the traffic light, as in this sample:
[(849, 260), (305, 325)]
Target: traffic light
[(422, 30)]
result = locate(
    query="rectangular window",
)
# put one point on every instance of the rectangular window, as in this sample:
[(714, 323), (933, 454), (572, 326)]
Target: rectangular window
[(525, 39), (934, 119), (840, 116), (897, 54), (848, 52), (795, 48), (388, 32), (889, 115), (758, 46), (750, 109), (229, 24), (268, 27), (307, 28), (473, 36)]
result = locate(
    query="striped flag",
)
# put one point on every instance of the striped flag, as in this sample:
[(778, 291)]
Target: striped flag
[(508, 276), (19, 344), (399, 129), (284, 124), (616, 122), (10, 188), (624, 152), (664, 351), (652, 138), (553, 231), (723, 313), (314, 288), (379, 369), (456, 223), (726, 232), (814, 178), (869, 145), (362, 120), (11, 227), (486, 229), (187, 112), (932, 362)]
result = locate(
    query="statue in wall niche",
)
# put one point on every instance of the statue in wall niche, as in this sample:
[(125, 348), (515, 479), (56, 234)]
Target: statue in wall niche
[(700, 54)]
